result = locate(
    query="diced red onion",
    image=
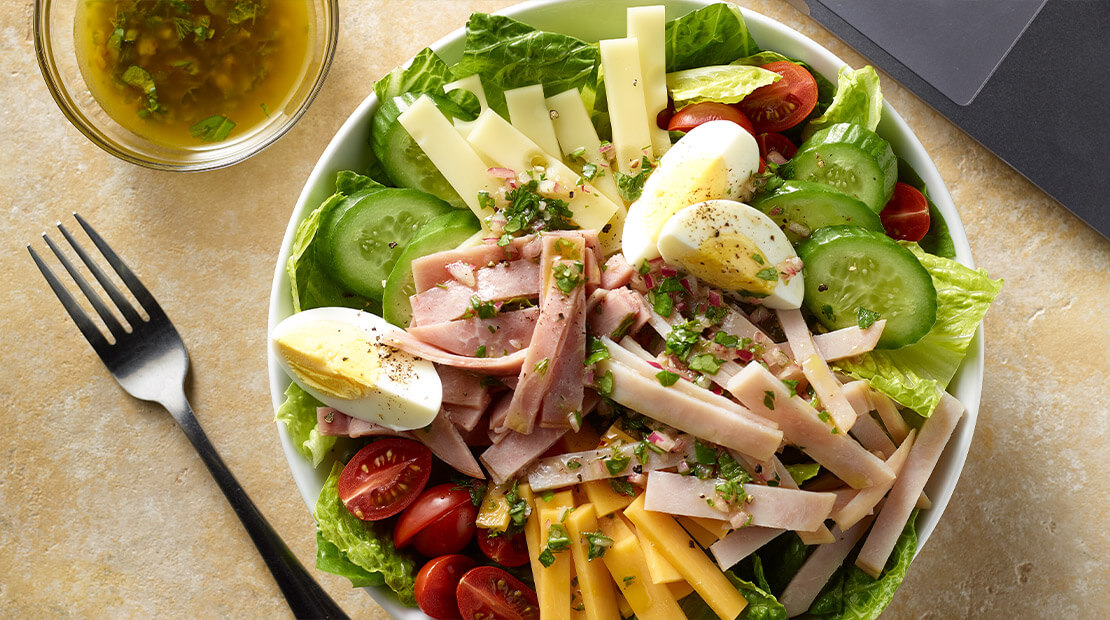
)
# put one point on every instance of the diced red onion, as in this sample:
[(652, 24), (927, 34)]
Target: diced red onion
[(655, 364), (744, 355), (661, 440), (502, 173), (668, 271), (686, 285), (648, 281), (714, 298)]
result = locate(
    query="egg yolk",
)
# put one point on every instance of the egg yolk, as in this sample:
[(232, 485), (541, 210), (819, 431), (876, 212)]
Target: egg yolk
[(688, 182), (731, 261), (332, 357)]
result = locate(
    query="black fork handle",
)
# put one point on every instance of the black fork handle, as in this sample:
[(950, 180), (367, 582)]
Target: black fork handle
[(305, 597)]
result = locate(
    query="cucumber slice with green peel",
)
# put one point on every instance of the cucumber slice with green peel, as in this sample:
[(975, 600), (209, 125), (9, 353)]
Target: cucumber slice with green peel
[(364, 235), (851, 159), (401, 157), (445, 232), (802, 207), (848, 268)]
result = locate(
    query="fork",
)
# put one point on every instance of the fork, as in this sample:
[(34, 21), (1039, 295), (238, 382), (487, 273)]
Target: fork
[(150, 362)]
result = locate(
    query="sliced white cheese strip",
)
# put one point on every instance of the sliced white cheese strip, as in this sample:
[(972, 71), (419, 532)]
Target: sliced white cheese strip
[(472, 83), (528, 113), (452, 155), (647, 24), (624, 90), (574, 131)]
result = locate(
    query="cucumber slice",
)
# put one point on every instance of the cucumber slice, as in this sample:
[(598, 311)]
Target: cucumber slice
[(810, 206), (401, 157), (445, 232), (364, 235), (848, 268), (850, 158)]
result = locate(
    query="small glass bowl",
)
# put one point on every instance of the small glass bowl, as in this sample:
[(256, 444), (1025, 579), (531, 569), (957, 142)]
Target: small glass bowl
[(55, 48)]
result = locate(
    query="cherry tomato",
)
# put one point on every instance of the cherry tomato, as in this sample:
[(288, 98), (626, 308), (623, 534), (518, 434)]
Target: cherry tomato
[(440, 521), (384, 477), (436, 585), (785, 103), (663, 119), (489, 593), (693, 115), (776, 143), (505, 550), (906, 216)]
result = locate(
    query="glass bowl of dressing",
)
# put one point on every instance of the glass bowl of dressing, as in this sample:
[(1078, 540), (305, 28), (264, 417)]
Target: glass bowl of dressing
[(185, 85)]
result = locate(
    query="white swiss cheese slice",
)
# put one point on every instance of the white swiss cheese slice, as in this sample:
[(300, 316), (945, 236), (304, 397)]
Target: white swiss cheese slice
[(648, 24), (450, 153), (472, 83), (507, 147), (574, 131), (624, 90), (528, 113)]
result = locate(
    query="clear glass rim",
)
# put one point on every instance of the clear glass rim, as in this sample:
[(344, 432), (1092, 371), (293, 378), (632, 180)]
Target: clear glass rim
[(214, 159)]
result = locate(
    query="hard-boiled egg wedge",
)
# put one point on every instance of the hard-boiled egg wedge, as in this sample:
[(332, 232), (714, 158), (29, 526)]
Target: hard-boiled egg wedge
[(335, 355), (735, 247), (714, 160)]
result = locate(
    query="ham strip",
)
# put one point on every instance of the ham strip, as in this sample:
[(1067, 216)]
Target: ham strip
[(575, 467), (724, 426), (849, 341), (866, 429), (739, 544), (568, 381), (463, 388), (519, 279), (444, 440), (821, 535), (815, 369), (919, 465), (504, 365), (818, 569), (334, 422), (506, 333), (888, 412), (515, 451), (616, 313), (430, 270), (736, 324), (865, 501), (760, 391), (466, 418), (617, 273)]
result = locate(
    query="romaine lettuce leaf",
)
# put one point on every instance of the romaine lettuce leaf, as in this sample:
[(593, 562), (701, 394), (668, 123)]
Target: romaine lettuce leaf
[(367, 544), (938, 240), (714, 35), (331, 560), (298, 413), (509, 54), (912, 375), (719, 83), (427, 73), (858, 100), (762, 605), (801, 472), (852, 594)]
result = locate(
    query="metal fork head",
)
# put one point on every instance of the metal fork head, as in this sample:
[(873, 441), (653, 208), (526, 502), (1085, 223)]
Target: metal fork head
[(145, 355)]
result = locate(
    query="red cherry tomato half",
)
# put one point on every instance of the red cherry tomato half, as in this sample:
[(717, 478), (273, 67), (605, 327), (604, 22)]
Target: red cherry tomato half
[(693, 115), (437, 582), (906, 216), (489, 593), (785, 103), (505, 550), (775, 143), (440, 521), (663, 119), (384, 477)]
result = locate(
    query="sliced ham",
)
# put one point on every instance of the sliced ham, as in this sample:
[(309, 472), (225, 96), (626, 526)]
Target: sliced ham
[(818, 569), (738, 325), (444, 440), (849, 341), (674, 408), (516, 450), (559, 312), (334, 422), (739, 544), (765, 395), (563, 399), (447, 301), (506, 333), (504, 365), (866, 499), (463, 388), (616, 313), (575, 467), (919, 465), (866, 429), (617, 273), (821, 535), (430, 270), (464, 417), (815, 369), (888, 413)]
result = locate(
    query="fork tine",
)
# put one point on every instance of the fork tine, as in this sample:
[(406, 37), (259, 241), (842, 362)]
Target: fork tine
[(84, 323), (113, 291), (106, 315), (145, 299)]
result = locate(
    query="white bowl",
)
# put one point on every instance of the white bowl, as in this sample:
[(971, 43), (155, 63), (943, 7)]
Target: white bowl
[(350, 148)]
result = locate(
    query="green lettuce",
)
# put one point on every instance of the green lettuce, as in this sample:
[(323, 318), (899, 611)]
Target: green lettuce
[(801, 472), (714, 35), (913, 375), (852, 594), (366, 544), (298, 413), (719, 83), (858, 100), (762, 605), (938, 240), (509, 54), (331, 560)]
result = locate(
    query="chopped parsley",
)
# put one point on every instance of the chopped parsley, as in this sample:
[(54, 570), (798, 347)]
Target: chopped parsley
[(706, 363), (666, 378), (590, 171), (726, 340), (793, 385), (568, 276), (622, 486), (769, 400), (595, 351), (617, 463), (630, 186), (866, 318), (573, 464), (481, 352), (682, 338), (541, 367), (705, 454), (604, 383), (212, 129), (479, 308), (596, 543), (529, 212), (827, 310), (769, 273)]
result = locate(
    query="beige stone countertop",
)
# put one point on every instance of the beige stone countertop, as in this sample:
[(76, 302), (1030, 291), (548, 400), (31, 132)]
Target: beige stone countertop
[(106, 511)]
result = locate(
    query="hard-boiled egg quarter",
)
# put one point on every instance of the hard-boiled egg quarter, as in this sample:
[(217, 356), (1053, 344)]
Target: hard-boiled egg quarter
[(336, 356), (737, 248), (714, 160)]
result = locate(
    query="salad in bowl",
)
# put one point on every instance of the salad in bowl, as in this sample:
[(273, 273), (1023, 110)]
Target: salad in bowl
[(664, 313)]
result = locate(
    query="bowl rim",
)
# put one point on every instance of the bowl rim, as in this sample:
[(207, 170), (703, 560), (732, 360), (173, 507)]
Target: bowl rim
[(966, 385), (212, 159)]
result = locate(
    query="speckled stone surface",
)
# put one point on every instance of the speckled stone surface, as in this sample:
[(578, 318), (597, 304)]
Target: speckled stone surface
[(105, 510)]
